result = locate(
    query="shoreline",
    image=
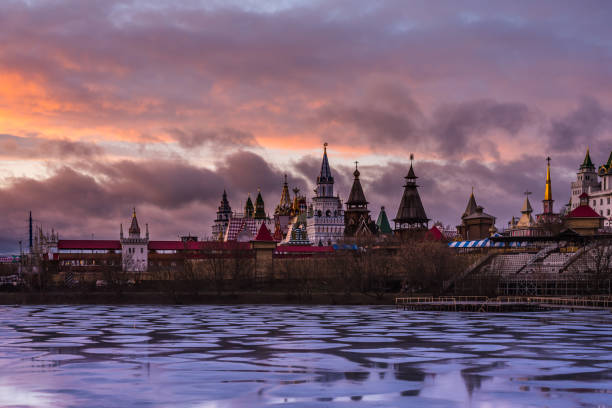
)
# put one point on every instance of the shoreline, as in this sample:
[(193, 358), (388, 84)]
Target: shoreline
[(186, 298)]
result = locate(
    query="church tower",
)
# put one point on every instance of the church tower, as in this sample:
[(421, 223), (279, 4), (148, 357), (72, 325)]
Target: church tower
[(586, 181), (283, 213), (284, 206), (325, 220), (549, 221), (134, 248), (357, 219), (411, 214), (547, 203), (260, 209), (224, 213), (249, 211), (475, 223)]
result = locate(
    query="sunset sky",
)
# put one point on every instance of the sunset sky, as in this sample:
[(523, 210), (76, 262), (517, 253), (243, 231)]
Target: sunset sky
[(161, 105)]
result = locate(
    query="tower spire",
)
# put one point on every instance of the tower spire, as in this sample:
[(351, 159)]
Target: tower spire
[(587, 163), (547, 203), (548, 192), (325, 181)]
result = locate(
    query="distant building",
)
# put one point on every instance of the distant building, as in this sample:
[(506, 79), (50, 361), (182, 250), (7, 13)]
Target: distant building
[(224, 213), (357, 220), (526, 226), (597, 185), (475, 223), (134, 248), (583, 219), (548, 219), (411, 215), (325, 219)]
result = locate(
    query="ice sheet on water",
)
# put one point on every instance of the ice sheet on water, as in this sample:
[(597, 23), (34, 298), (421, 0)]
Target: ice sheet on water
[(188, 355)]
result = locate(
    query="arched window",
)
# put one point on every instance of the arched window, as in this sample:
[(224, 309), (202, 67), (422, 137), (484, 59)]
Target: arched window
[(327, 213)]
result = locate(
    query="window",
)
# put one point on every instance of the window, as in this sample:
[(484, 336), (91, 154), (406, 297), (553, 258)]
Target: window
[(608, 212), (608, 200), (594, 203), (601, 201), (141, 250)]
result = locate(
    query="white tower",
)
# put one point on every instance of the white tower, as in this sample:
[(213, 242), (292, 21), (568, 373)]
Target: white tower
[(325, 219), (134, 249), (586, 181)]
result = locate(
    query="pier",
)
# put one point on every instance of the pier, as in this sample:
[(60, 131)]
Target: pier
[(503, 303)]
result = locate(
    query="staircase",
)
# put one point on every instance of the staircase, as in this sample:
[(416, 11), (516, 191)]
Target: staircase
[(543, 253), (476, 265)]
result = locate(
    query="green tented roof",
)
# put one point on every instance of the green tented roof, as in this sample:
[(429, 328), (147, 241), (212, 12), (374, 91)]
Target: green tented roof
[(383, 222)]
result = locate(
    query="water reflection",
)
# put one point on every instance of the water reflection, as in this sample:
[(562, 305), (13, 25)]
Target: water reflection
[(217, 356)]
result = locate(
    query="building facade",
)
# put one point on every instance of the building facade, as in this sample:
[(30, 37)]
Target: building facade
[(475, 223), (597, 184), (325, 216), (134, 248), (411, 216), (224, 214), (357, 220)]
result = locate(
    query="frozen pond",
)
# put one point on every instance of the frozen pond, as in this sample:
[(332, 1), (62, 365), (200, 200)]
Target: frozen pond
[(293, 356)]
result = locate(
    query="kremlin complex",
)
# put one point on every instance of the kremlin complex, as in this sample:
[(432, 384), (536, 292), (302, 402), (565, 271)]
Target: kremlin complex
[(322, 225)]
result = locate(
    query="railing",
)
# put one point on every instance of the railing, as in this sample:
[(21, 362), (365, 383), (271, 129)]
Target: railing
[(594, 302)]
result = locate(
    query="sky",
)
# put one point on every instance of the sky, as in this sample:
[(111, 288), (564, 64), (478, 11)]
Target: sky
[(160, 105)]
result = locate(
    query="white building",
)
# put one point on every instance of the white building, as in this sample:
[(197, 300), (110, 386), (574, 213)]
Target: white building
[(598, 186), (134, 249), (325, 219)]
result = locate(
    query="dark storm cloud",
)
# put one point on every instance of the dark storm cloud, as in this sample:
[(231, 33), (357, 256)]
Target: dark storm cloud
[(461, 128), (245, 172), (387, 115), (36, 148), (581, 127), (176, 195), (226, 137)]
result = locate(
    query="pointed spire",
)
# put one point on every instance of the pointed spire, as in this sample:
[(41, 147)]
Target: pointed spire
[(411, 177), (383, 222), (325, 170), (471, 205), (260, 211), (356, 196), (134, 228), (325, 181), (248, 208), (411, 213), (548, 192), (284, 206), (587, 163), (527, 205)]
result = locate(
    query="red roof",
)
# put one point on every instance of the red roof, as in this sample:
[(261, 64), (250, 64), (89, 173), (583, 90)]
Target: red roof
[(583, 195), (304, 249), (264, 233), (434, 234), (196, 245), (583, 211), (88, 244)]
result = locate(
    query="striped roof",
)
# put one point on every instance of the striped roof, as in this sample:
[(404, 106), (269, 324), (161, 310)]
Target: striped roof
[(485, 243), (237, 224)]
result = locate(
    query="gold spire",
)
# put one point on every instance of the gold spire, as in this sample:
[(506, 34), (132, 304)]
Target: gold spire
[(548, 192)]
